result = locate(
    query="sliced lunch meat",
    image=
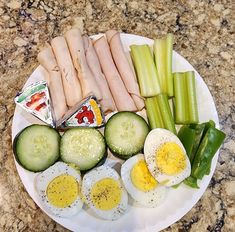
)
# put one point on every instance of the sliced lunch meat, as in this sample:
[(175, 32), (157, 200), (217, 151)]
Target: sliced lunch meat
[(72, 88), (124, 68), (53, 77), (86, 78), (107, 102), (119, 92)]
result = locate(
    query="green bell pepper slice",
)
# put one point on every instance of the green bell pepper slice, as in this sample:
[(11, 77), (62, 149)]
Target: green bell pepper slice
[(191, 182), (208, 147), (199, 130), (187, 136)]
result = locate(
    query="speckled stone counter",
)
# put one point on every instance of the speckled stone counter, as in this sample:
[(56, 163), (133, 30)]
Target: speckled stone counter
[(204, 35)]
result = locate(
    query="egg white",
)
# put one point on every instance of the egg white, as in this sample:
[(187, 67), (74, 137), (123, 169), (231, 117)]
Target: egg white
[(42, 181), (96, 175), (153, 141), (151, 198)]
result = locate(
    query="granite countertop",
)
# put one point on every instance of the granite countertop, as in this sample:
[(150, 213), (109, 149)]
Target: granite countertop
[(204, 35)]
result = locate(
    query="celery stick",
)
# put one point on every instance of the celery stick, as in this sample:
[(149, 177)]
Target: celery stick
[(169, 75), (154, 116), (142, 77), (185, 99), (192, 98), (158, 113), (180, 98), (170, 100), (145, 70), (160, 58), (166, 114), (163, 49)]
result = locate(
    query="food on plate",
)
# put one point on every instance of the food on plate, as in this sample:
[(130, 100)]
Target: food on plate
[(84, 114), (124, 68), (125, 133), (122, 98), (59, 189), (107, 101), (199, 129), (209, 145), (88, 79), (35, 99), (145, 70), (201, 142), (159, 112), (103, 192), (47, 59), (85, 76), (185, 99), (166, 157), (128, 56), (140, 184), (84, 147), (187, 136), (72, 88), (188, 139), (37, 147), (163, 49)]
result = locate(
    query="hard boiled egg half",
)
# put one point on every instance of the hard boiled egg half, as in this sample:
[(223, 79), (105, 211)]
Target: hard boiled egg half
[(59, 189), (104, 194), (140, 184), (166, 157)]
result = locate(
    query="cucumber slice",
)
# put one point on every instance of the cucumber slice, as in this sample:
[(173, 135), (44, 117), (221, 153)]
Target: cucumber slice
[(125, 133), (37, 147), (84, 147)]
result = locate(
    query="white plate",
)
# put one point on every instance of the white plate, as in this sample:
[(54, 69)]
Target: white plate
[(178, 202)]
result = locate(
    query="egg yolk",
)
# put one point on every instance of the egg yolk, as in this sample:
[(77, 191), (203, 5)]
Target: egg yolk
[(142, 178), (62, 191), (106, 194), (170, 158)]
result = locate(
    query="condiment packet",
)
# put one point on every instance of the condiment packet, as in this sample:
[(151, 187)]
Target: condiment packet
[(35, 99), (86, 113)]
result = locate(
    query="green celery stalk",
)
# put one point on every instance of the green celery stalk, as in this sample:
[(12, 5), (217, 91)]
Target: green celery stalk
[(180, 100), (163, 49), (165, 110), (169, 75), (145, 70), (185, 98), (158, 112), (153, 113), (191, 97), (159, 49)]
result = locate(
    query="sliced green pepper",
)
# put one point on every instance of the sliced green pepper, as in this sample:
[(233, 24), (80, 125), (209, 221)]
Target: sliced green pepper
[(207, 126), (192, 182), (187, 136), (176, 185), (208, 169), (209, 145), (199, 129)]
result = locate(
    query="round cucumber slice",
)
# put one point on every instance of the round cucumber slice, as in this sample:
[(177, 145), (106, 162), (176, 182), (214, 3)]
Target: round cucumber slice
[(37, 147), (125, 133), (84, 147)]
